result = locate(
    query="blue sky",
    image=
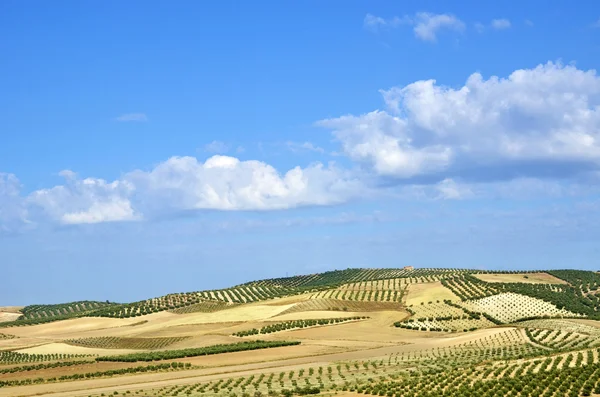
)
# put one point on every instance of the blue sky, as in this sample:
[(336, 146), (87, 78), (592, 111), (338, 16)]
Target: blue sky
[(149, 148)]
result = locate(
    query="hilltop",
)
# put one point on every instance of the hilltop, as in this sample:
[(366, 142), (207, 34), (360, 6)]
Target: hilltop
[(399, 331)]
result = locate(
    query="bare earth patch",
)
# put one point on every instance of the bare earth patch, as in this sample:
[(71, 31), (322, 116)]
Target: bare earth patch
[(428, 292), (5, 316), (528, 278), (11, 309), (63, 348)]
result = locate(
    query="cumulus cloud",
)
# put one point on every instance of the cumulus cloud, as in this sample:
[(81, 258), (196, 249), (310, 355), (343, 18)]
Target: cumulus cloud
[(184, 183), (226, 183), (548, 115), (500, 24), (426, 25), (89, 200), (525, 134), (132, 117)]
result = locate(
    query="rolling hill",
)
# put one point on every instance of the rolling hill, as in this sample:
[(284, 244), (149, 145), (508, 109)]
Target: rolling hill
[(392, 332)]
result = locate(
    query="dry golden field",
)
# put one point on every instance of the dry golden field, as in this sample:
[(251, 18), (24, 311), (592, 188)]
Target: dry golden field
[(350, 337), (530, 278)]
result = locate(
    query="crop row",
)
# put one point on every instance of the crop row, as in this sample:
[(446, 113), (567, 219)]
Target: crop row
[(389, 283), (39, 367), (200, 351), (509, 307), (566, 325), (293, 324), (10, 357), (197, 301), (361, 295), (444, 317), (61, 310), (339, 277), (98, 374), (568, 381), (113, 342), (585, 281), (560, 340), (372, 377), (468, 287), (180, 303), (578, 296), (203, 307), (341, 305)]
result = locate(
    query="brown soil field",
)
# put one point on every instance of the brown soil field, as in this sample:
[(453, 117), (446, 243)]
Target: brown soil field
[(532, 278), (428, 292)]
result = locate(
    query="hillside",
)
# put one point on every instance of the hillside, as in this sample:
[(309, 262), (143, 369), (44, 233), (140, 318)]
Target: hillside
[(374, 331)]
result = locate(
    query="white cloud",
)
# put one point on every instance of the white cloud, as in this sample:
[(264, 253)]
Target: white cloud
[(139, 117), (370, 138), (548, 114), (426, 25), (374, 23), (216, 147), (178, 184), (89, 200), (500, 24), (226, 183), (304, 146), (451, 190), (490, 137)]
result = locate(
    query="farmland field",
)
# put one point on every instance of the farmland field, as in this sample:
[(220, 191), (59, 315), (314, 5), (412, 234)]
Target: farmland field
[(530, 278), (427, 292), (385, 332)]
